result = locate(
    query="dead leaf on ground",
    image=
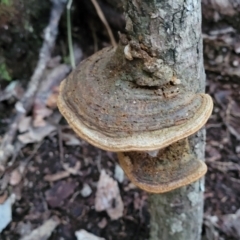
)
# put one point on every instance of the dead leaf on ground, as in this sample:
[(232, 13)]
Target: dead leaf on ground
[(52, 99), (24, 124), (108, 197), (49, 84), (44, 231), (210, 223), (36, 134), (46, 89), (231, 224), (60, 191), (39, 114), (71, 139), (84, 235), (14, 89)]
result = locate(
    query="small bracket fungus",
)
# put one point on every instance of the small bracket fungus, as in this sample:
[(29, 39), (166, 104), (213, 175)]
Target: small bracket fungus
[(114, 104), (173, 167)]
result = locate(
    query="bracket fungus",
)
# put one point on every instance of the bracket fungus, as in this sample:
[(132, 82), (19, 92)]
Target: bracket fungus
[(133, 106), (173, 167), (116, 114)]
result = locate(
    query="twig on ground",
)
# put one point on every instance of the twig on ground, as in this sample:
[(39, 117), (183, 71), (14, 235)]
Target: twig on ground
[(60, 144), (224, 166), (25, 105), (104, 21)]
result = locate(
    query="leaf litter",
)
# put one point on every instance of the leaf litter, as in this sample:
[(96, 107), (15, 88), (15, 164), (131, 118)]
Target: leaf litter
[(108, 197)]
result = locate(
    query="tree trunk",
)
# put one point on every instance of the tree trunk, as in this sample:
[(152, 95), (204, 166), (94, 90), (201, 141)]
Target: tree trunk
[(171, 30), (177, 215)]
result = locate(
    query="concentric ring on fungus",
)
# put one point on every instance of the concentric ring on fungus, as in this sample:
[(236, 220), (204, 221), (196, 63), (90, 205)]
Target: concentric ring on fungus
[(111, 112)]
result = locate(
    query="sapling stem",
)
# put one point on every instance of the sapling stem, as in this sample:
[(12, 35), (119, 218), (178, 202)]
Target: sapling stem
[(171, 30), (69, 34)]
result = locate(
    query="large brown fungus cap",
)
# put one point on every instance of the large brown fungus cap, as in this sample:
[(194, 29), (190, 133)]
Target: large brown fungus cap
[(103, 103)]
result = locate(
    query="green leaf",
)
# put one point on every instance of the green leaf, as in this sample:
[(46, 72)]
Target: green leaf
[(6, 2), (4, 74)]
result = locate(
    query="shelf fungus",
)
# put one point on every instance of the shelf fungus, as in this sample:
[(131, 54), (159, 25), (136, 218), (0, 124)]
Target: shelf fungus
[(136, 107), (173, 167)]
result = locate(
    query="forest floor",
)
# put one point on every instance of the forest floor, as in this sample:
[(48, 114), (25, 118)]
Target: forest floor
[(52, 181)]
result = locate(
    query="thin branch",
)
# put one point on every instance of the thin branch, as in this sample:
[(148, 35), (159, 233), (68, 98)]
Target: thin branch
[(104, 21)]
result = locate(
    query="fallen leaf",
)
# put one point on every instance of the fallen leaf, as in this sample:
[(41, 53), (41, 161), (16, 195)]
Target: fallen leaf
[(84, 235), (108, 197), (36, 134), (70, 139), (52, 99), (56, 195), (49, 84), (44, 231), (40, 112), (231, 224), (24, 124), (13, 89), (210, 223)]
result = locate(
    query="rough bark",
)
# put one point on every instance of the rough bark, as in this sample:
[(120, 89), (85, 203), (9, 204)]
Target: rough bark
[(171, 31)]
